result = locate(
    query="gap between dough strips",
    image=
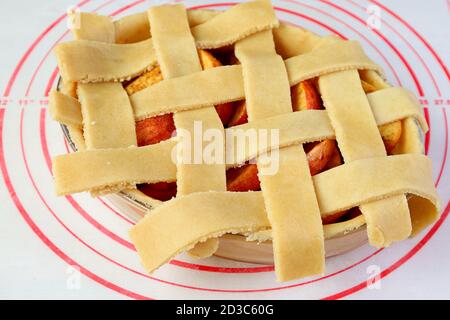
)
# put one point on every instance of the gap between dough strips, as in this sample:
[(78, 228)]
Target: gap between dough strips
[(349, 145)]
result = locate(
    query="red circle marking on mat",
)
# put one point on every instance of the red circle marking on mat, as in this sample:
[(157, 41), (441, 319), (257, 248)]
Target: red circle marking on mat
[(426, 114), (11, 189), (402, 58), (42, 236), (397, 78), (411, 47), (19, 66), (33, 77), (397, 264), (418, 35), (4, 166), (441, 171)]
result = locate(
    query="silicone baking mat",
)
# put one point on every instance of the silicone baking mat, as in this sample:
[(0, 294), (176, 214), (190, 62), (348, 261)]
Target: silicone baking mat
[(78, 247)]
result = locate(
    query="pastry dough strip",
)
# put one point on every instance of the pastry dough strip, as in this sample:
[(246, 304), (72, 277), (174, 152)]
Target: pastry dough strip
[(93, 61), (93, 27), (75, 131), (393, 104), (117, 169), (289, 194), (193, 91), (386, 176), (216, 213), (358, 137), (177, 56), (135, 27), (295, 128), (238, 22), (292, 41), (165, 232), (68, 179), (65, 109), (298, 127), (108, 119), (332, 56), (225, 84)]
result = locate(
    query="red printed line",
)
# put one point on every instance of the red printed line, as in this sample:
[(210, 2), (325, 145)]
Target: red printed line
[(394, 72), (39, 232), (16, 71), (441, 171), (407, 25), (397, 264), (128, 6), (428, 134), (33, 77), (411, 47), (410, 70), (51, 81)]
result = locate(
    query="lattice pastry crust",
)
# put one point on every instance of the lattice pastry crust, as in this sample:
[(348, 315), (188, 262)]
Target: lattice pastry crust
[(271, 59)]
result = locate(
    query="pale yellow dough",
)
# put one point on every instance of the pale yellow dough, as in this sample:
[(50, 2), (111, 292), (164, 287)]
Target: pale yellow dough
[(289, 194), (93, 61), (357, 135), (177, 56), (112, 170), (108, 123), (65, 109)]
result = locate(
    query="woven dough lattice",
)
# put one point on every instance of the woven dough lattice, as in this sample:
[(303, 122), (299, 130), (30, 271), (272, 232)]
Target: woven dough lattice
[(395, 193)]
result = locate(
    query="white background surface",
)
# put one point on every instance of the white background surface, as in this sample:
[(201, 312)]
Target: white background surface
[(29, 269)]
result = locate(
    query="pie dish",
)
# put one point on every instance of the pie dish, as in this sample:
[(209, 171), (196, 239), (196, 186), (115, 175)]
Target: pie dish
[(348, 151)]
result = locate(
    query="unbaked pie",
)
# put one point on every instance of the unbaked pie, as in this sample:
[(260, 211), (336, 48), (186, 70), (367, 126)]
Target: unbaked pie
[(348, 145)]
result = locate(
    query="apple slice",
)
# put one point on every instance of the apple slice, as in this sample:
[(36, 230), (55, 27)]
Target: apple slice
[(391, 133), (240, 114), (335, 160), (243, 179), (208, 61), (162, 191), (333, 217), (367, 87), (154, 130), (319, 155), (145, 80), (225, 111), (305, 96)]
